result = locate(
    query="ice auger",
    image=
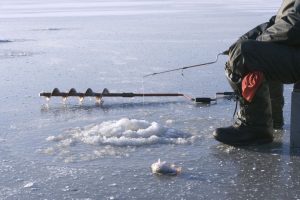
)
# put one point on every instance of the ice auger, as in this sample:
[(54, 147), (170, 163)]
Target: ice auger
[(105, 93)]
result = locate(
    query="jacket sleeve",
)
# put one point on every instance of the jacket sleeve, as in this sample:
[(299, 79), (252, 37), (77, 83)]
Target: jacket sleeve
[(253, 33), (286, 30), (257, 31)]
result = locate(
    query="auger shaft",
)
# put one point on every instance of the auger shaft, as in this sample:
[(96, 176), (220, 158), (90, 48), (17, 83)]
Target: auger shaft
[(105, 93), (124, 94)]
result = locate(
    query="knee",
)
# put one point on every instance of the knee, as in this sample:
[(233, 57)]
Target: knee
[(242, 49), (248, 47), (238, 57)]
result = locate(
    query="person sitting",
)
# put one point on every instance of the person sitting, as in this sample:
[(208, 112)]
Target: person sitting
[(260, 62)]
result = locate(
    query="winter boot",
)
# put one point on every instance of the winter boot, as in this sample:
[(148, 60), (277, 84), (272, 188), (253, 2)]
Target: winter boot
[(277, 102), (254, 123)]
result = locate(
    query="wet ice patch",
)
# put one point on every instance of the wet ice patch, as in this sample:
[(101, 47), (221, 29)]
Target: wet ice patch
[(52, 29), (14, 40), (5, 41), (15, 54), (114, 138)]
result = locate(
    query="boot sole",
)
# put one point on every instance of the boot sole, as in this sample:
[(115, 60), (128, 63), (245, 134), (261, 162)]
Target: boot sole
[(257, 141)]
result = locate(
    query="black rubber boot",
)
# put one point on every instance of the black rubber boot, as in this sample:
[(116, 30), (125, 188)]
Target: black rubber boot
[(242, 135), (277, 102), (254, 123)]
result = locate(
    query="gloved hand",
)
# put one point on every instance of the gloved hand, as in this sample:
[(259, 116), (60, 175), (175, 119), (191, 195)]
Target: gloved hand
[(226, 52), (229, 50)]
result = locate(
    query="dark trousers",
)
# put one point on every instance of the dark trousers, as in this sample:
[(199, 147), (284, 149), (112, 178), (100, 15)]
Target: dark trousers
[(279, 63)]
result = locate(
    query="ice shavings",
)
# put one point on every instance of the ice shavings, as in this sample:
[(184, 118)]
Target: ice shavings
[(113, 138), (124, 132)]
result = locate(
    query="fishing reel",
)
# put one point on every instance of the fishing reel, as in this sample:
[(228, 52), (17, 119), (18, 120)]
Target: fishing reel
[(207, 100)]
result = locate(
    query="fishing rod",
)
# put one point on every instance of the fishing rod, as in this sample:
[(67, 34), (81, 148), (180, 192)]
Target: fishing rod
[(188, 67), (105, 93)]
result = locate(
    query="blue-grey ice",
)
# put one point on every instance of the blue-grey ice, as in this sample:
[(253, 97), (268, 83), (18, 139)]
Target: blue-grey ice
[(72, 150)]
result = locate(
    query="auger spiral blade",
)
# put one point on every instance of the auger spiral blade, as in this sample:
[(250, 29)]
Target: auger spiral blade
[(105, 93)]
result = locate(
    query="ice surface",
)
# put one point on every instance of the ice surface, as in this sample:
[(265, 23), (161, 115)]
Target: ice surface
[(112, 44), (71, 9)]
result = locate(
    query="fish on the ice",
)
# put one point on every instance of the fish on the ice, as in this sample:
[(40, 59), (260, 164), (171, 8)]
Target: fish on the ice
[(164, 168)]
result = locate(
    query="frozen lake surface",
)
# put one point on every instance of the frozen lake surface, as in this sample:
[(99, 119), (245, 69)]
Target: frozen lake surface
[(56, 150)]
